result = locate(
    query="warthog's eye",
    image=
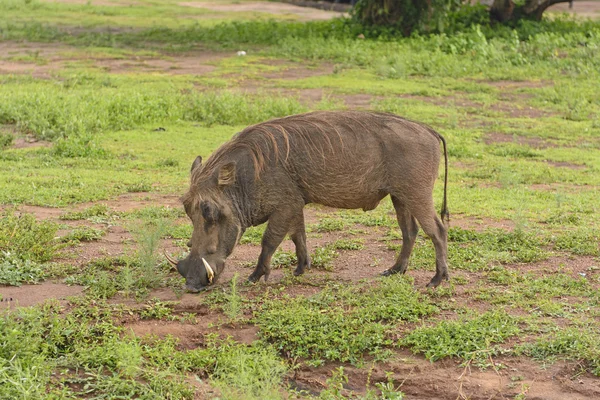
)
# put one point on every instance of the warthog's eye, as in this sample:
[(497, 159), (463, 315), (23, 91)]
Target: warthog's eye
[(210, 212)]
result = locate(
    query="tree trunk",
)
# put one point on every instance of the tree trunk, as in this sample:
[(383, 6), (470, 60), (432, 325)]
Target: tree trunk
[(506, 10)]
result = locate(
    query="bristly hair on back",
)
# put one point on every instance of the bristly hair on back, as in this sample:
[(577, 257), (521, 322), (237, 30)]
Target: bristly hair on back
[(271, 140)]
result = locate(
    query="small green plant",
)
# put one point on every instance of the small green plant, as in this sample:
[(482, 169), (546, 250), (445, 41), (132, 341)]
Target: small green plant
[(83, 234), (283, 259), (330, 225), (25, 238), (233, 301), (95, 211), (348, 244), (572, 343), (14, 271), (157, 309), (323, 257), (335, 385), (6, 140), (253, 235), (139, 187), (341, 323), (470, 338), (148, 238)]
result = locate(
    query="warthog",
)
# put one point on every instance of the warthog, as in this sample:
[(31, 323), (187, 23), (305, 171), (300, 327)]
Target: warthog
[(345, 159)]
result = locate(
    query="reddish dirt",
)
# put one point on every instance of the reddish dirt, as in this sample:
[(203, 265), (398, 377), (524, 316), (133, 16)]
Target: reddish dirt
[(533, 142), (449, 380), (585, 9), (44, 59), (564, 164), (30, 295), (303, 13), (115, 3)]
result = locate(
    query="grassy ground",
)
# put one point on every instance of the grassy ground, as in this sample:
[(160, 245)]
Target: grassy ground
[(103, 107)]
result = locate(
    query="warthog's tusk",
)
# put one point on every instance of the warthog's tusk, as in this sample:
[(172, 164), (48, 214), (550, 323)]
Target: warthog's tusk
[(209, 271), (172, 261)]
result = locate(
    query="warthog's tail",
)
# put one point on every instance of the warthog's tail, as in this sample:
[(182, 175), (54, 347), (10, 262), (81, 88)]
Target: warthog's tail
[(445, 214)]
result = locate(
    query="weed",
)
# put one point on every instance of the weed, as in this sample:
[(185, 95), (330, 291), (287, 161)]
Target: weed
[(469, 338), (25, 238), (340, 324), (14, 271), (584, 241), (233, 303), (83, 234), (348, 244), (330, 225), (335, 385), (6, 140), (139, 187), (249, 372), (323, 257), (91, 213), (284, 259), (157, 309), (572, 343), (253, 235)]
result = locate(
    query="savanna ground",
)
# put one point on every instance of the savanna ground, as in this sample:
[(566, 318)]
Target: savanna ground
[(103, 107)]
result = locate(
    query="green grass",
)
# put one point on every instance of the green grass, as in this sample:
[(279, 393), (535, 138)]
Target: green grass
[(470, 338), (340, 323), (23, 237), (519, 109), (571, 343)]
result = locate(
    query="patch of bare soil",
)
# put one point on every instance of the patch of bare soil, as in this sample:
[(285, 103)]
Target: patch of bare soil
[(304, 13), (35, 56), (533, 142), (192, 336), (135, 201), (124, 203), (511, 85), (116, 3), (22, 142), (41, 60), (30, 295), (448, 380), (479, 223), (293, 73), (191, 63), (580, 266), (586, 9), (565, 164), (511, 107)]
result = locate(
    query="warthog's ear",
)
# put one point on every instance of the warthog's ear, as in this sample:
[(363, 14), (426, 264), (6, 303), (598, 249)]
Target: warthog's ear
[(196, 164), (227, 174)]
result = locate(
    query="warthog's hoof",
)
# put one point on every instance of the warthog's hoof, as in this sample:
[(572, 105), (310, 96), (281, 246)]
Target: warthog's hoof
[(301, 268), (255, 277), (437, 279), (392, 271)]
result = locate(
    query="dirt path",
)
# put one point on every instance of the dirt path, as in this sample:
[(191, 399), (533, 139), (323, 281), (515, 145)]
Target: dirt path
[(304, 13)]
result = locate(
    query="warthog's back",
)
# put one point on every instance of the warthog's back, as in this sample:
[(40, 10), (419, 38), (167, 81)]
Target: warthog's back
[(346, 159)]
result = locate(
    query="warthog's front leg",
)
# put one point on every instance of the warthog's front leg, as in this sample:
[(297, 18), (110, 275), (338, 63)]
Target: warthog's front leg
[(277, 227)]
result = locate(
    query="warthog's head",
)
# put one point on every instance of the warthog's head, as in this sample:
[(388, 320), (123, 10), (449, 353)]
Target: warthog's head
[(216, 228)]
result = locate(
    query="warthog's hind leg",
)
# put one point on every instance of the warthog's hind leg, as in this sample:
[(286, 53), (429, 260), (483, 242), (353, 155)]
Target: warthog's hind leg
[(410, 229), (299, 238)]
